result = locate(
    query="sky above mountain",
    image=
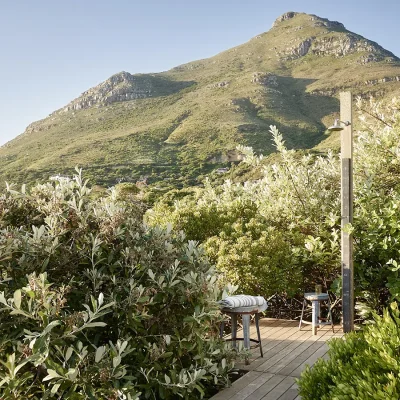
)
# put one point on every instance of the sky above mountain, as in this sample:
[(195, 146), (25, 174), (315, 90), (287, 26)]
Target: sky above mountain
[(53, 51)]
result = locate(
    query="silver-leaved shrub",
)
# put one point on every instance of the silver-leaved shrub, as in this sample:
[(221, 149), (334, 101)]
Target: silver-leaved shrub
[(96, 305), (282, 232)]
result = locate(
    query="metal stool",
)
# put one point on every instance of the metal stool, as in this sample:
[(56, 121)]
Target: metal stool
[(245, 312), (315, 299)]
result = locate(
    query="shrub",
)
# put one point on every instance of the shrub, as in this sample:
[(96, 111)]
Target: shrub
[(126, 190), (278, 234), (95, 305), (258, 259), (281, 233), (362, 365)]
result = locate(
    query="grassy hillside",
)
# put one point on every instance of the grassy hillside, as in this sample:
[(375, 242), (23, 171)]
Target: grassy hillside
[(174, 126)]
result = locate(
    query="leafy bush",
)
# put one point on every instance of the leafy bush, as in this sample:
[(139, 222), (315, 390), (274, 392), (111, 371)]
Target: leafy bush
[(278, 234), (363, 365), (281, 233), (94, 304)]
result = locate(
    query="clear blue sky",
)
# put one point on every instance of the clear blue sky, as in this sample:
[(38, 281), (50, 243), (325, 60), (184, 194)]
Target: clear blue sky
[(53, 50)]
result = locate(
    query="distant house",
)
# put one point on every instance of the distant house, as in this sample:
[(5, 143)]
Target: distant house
[(60, 178)]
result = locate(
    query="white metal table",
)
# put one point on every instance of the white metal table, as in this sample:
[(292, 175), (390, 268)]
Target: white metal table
[(317, 320)]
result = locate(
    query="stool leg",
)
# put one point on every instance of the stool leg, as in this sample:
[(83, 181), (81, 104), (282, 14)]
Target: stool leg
[(246, 330), (319, 315), (302, 313), (258, 333), (246, 334), (314, 317), (330, 314), (234, 329)]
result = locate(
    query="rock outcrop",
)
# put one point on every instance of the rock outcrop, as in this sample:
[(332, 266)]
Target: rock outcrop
[(220, 84), (265, 79), (372, 82), (333, 40), (120, 87), (324, 22), (338, 45), (342, 45), (124, 87), (284, 17)]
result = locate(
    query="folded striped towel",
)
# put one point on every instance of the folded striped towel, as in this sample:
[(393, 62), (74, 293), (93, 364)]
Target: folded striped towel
[(242, 300)]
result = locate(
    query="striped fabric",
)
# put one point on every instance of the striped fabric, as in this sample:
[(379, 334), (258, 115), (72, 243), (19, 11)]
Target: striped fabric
[(242, 300)]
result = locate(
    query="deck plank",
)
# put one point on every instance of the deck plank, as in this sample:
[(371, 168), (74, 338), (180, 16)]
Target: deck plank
[(290, 394), (311, 360), (266, 388), (301, 358), (278, 391), (292, 352), (286, 357), (252, 387), (237, 386), (273, 344), (287, 350)]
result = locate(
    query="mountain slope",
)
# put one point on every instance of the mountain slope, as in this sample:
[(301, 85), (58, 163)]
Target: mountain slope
[(173, 126)]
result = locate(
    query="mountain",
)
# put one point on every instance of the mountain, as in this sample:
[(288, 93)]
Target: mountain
[(172, 126)]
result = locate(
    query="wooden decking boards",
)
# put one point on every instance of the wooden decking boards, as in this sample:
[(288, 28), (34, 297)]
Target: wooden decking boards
[(287, 350)]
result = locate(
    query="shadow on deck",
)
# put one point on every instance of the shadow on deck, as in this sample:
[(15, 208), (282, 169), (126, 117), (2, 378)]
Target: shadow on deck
[(287, 350)]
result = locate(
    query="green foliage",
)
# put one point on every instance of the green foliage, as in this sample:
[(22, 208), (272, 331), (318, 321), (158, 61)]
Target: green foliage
[(256, 259), (93, 304), (281, 233), (126, 189), (278, 234), (377, 201), (362, 366)]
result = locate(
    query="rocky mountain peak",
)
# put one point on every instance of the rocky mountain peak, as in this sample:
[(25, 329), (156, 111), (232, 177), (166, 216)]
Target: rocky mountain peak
[(325, 22), (323, 38), (119, 87), (124, 86), (308, 19), (285, 17), (121, 76)]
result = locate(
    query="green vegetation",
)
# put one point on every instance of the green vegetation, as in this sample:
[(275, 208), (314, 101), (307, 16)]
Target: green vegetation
[(188, 121), (94, 305), (97, 304), (281, 233), (362, 366)]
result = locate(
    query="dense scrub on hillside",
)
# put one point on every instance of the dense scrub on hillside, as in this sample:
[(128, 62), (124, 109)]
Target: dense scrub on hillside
[(281, 233), (94, 305)]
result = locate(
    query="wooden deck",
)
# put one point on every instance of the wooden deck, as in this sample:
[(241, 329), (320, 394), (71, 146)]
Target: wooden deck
[(286, 352)]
